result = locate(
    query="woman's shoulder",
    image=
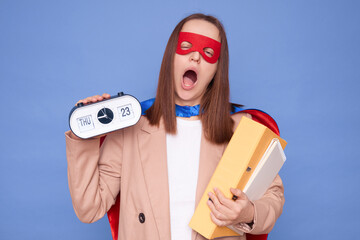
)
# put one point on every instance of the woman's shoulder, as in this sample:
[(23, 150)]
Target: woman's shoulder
[(237, 116)]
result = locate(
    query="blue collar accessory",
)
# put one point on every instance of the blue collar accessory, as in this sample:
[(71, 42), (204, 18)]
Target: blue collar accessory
[(187, 111), (183, 111)]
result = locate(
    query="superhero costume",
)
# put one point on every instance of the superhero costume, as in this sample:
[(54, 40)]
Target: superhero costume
[(188, 111)]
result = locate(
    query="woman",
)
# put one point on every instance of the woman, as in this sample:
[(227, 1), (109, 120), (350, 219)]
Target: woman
[(161, 166)]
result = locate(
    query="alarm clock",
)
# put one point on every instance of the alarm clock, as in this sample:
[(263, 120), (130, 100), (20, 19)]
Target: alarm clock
[(98, 118)]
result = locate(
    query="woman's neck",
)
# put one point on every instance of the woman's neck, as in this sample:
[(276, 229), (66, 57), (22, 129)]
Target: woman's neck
[(192, 118)]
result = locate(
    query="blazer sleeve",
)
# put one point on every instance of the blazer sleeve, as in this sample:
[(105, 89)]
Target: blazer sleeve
[(267, 209), (93, 174)]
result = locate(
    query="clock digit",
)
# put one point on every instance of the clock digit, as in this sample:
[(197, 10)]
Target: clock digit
[(125, 112), (128, 111)]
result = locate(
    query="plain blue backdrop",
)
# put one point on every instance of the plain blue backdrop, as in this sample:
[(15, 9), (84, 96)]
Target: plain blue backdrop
[(297, 60)]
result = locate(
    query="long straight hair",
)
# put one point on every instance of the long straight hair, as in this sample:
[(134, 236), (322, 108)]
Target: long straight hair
[(215, 106)]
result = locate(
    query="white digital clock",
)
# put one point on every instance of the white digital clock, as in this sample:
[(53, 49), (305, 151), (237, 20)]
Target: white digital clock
[(98, 118)]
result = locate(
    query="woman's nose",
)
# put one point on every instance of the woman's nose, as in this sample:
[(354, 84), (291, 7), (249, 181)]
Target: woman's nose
[(195, 56)]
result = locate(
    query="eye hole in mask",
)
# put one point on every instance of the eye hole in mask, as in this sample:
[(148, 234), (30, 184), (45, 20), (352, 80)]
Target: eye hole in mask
[(192, 42)]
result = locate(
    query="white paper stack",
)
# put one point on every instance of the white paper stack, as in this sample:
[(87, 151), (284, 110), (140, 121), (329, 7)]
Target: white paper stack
[(266, 170)]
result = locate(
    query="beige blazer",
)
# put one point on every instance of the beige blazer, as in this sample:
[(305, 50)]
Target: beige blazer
[(133, 161)]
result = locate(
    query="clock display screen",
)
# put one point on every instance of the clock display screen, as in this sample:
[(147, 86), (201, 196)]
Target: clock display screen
[(126, 112), (85, 123)]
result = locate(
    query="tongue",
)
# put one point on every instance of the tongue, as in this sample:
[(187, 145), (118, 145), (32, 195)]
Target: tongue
[(188, 81)]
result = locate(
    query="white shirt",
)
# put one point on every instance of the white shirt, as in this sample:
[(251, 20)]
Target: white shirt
[(183, 153)]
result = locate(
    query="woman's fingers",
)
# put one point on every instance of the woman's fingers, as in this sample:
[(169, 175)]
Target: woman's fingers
[(106, 95), (238, 194), (220, 211), (218, 222), (94, 99), (226, 211), (217, 217), (229, 203), (215, 207)]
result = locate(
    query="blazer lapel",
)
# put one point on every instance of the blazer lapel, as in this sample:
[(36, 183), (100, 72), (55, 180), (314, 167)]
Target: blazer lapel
[(210, 155), (152, 145)]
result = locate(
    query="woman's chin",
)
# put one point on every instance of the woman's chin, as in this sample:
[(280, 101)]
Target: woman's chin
[(187, 100)]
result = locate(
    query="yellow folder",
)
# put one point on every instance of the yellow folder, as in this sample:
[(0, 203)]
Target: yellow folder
[(244, 151)]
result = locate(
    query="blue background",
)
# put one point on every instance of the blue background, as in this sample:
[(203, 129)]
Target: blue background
[(297, 60)]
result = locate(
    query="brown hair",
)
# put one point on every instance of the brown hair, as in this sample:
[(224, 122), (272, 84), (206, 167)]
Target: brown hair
[(215, 106)]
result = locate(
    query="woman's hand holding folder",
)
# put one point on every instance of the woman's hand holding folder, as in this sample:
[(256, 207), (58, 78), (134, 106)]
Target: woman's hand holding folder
[(227, 212)]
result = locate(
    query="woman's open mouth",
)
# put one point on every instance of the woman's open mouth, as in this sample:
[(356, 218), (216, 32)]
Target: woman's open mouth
[(189, 79)]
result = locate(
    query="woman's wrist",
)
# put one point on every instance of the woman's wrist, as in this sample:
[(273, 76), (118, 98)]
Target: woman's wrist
[(251, 214)]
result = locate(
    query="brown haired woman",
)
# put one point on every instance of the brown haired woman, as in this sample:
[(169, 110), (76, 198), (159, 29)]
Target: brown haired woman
[(162, 165)]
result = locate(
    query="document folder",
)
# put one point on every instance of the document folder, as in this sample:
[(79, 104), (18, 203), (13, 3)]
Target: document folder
[(241, 164)]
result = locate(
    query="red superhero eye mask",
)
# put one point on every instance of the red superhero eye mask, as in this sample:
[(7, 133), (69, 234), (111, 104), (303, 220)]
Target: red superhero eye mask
[(199, 43)]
